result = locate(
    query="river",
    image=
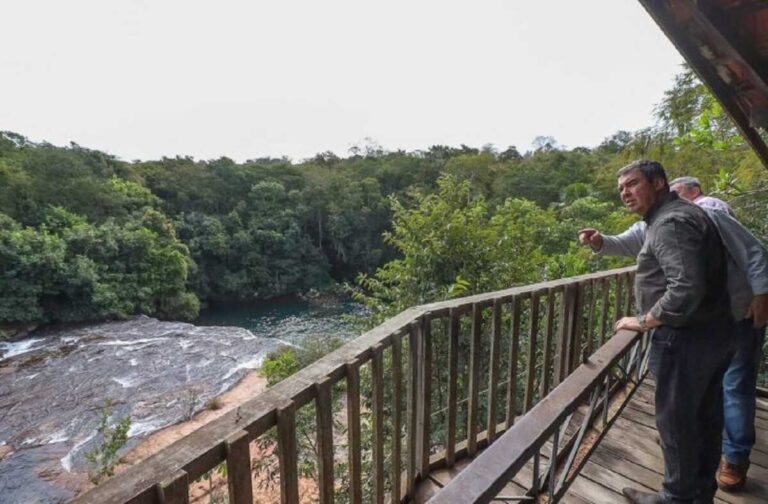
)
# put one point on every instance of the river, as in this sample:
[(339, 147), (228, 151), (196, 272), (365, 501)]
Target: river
[(53, 384)]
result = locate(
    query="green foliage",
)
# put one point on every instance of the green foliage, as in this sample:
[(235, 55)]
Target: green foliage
[(111, 438)]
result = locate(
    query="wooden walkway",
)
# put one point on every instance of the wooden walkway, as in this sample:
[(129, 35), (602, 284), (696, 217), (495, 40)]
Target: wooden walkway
[(629, 456)]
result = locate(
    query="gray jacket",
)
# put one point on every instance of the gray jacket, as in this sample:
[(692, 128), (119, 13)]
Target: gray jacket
[(747, 259)]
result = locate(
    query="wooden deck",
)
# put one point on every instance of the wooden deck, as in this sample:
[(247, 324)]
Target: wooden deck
[(629, 456)]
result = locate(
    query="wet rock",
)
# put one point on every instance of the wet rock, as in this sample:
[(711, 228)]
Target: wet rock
[(158, 373)]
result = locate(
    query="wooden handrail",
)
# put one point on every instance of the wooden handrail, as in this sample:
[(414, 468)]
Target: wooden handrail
[(158, 478)]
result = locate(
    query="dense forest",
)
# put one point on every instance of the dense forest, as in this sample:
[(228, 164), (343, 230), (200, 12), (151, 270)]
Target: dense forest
[(86, 236)]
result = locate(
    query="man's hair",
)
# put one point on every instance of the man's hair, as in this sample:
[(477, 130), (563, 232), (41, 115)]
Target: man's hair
[(652, 170), (688, 182)]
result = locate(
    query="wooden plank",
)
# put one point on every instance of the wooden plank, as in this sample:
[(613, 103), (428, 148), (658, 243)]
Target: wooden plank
[(493, 375), (591, 317), (239, 468), (561, 355), (353, 433), (287, 454), (324, 419), (397, 442), (577, 326), (549, 332), (514, 350), (617, 300), (424, 398), (475, 352), (174, 490), (377, 375), (628, 281), (453, 371), (533, 335)]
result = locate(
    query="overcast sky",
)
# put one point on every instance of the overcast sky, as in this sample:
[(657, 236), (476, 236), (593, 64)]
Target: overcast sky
[(142, 79)]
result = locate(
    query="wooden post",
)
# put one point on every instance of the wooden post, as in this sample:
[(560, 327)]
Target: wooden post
[(414, 340), (239, 468), (604, 319), (474, 378), (591, 317), (493, 378), (353, 433), (377, 374), (397, 377), (174, 490), (324, 418), (533, 334), (617, 300), (549, 333), (286, 452), (423, 398), (453, 371), (514, 351)]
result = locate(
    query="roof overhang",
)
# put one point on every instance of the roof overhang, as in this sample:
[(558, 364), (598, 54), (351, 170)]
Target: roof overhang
[(726, 43)]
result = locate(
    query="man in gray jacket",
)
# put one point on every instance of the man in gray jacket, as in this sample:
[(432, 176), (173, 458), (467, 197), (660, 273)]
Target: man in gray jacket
[(748, 290), (681, 292)]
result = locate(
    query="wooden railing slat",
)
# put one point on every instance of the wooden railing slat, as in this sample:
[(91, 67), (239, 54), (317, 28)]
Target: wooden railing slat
[(377, 375), (397, 377), (591, 316), (493, 376), (324, 420), (287, 454), (578, 326), (453, 371), (514, 350), (474, 378), (174, 490), (424, 397), (239, 468), (533, 331), (413, 386), (548, 335), (353, 433), (605, 287), (617, 305), (629, 282)]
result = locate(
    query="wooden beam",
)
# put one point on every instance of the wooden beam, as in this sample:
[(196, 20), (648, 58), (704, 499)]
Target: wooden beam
[(659, 11)]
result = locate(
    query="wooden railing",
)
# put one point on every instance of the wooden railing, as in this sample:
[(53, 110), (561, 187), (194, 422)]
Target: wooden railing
[(561, 430), (431, 385)]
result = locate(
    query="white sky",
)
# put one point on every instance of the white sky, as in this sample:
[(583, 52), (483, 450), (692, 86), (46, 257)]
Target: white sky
[(141, 79)]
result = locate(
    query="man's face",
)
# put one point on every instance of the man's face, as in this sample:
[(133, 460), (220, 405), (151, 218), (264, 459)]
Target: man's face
[(689, 193), (638, 193)]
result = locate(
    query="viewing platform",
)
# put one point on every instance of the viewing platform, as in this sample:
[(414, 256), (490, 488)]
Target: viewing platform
[(403, 413), (628, 456)]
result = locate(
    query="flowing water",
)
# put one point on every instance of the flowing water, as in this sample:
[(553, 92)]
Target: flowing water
[(53, 384)]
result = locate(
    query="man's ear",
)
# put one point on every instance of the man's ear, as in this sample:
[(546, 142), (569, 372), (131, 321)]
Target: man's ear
[(659, 183)]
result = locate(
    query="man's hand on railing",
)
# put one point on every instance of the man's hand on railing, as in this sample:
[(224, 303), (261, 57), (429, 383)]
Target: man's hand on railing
[(640, 323), (591, 237)]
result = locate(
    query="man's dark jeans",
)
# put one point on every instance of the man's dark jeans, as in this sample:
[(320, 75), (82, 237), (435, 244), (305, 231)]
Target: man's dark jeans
[(689, 364)]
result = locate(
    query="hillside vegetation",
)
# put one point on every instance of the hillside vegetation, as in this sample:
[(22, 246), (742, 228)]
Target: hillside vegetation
[(85, 236)]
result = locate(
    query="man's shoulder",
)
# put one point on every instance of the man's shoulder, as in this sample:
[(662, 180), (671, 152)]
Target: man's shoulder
[(710, 202), (680, 215)]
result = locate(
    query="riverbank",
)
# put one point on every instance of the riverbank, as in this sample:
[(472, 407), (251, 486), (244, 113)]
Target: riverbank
[(210, 489)]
